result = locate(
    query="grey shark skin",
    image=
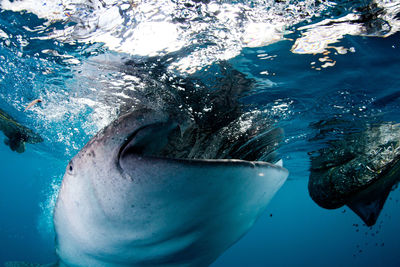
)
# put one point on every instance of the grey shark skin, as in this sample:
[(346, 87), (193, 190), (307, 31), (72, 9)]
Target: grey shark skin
[(358, 170), (121, 205)]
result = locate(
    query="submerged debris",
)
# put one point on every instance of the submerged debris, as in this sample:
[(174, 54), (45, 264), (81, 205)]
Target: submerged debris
[(32, 103)]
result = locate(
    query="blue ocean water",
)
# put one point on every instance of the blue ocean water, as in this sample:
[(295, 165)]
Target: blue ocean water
[(83, 84)]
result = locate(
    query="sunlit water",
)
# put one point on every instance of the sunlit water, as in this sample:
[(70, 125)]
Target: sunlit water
[(303, 62)]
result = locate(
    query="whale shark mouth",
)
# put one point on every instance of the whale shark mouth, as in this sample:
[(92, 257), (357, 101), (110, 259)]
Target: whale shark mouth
[(168, 140)]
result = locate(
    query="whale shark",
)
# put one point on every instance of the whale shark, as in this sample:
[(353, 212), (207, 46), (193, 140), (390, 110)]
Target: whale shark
[(123, 203), (358, 170)]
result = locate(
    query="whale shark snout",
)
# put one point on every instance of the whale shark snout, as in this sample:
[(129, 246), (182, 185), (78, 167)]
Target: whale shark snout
[(123, 202)]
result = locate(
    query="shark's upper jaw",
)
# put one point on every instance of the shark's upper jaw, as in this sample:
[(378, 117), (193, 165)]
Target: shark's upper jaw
[(148, 140)]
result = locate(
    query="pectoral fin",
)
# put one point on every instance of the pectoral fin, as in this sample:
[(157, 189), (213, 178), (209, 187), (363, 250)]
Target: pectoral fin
[(368, 209), (369, 202)]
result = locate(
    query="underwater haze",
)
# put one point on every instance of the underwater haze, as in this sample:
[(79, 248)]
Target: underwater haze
[(314, 83)]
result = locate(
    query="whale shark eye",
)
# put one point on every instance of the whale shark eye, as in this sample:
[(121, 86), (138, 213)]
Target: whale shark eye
[(70, 168)]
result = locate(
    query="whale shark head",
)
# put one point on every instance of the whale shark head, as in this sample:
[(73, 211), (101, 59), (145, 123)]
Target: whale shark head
[(121, 204)]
